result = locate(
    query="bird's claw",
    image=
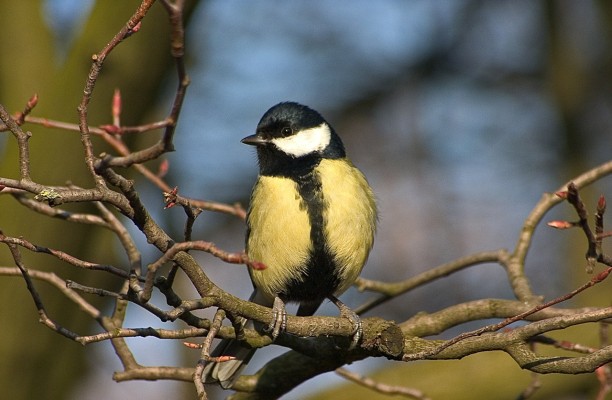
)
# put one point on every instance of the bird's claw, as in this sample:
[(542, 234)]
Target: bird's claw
[(346, 312), (279, 318)]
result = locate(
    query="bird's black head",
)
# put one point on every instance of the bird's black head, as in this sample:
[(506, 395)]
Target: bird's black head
[(292, 137)]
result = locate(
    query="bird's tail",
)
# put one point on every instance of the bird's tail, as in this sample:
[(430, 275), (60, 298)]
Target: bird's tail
[(226, 372)]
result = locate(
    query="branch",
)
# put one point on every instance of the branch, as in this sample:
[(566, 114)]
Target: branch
[(165, 144), (496, 327), (60, 255), (22, 143), (58, 283), (143, 332), (170, 254), (132, 26), (205, 355), (112, 134), (394, 289), (42, 313)]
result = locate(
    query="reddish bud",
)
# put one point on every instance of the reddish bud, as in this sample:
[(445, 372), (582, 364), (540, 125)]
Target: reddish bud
[(170, 198), (192, 345), (258, 266), (137, 27), (111, 129), (134, 29), (562, 194), (163, 168), (33, 101), (560, 224), (116, 105), (223, 358), (602, 275), (601, 204), (602, 375)]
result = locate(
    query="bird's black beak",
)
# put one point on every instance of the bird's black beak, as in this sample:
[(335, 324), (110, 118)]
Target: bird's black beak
[(254, 140)]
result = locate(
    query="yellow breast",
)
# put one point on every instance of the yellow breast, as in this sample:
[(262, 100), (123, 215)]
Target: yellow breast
[(350, 217), (280, 231)]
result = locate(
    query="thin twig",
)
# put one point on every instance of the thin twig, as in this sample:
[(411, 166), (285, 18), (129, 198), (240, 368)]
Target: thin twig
[(143, 332), (390, 290), (573, 197), (22, 143), (170, 254), (63, 256), (56, 212), (92, 290), (175, 13), (59, 284), (114, 140), (205, 354), (115, 225), (42, 312), (383, 388), (98, 59)]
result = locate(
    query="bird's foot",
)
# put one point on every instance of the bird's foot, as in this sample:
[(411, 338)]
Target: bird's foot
[(279, 318), (346, 312)]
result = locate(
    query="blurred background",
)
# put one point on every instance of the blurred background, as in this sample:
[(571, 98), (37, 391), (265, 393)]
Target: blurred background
[(460, 113)]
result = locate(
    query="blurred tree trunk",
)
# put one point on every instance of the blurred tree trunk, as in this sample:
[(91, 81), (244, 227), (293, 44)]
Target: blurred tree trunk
[(36, 362)]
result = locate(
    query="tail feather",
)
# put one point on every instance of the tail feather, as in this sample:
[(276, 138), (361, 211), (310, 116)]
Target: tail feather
[(226, 372)]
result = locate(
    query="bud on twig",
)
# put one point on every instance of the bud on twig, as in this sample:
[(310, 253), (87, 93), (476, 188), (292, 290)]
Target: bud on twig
[(222, 358), (32, 102), (135, 29), (561, 224), (20, 116), (256, 265), (170, 198), (116, 108), (111, 129), (601, 205)]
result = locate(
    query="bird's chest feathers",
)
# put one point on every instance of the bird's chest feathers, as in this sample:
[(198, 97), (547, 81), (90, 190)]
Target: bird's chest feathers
[(319, 218), (279, 229)]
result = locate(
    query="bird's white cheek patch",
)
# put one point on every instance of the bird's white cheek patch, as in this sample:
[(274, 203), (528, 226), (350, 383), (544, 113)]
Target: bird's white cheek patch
[(305, 142)]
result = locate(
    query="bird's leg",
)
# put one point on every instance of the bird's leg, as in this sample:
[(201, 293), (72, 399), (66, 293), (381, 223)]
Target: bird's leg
[(279, 318), (346, 312)]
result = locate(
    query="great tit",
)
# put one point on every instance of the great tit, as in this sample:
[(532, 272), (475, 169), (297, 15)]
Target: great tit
[(311, 223)]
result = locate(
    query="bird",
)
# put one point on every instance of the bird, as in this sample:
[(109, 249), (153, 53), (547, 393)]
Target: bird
[(311, 222)]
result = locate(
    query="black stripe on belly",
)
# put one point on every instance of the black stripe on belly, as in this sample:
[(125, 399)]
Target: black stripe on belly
[(320, 278)]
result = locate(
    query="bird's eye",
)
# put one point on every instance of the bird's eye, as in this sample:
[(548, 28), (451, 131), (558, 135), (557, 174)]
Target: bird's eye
[(286, 131)]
